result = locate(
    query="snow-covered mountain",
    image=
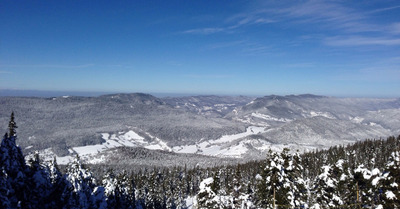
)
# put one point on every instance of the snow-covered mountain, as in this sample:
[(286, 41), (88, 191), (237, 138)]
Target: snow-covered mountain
[(235, 127)]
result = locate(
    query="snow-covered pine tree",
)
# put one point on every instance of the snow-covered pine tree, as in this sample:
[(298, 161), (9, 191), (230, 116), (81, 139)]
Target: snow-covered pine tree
[(82, 192), (294, 171), (263, 194), (390, 182), (141, 189), (40, 185), (4, 190), (207, 198), (111, 189), (57, 200), (13, 164), (237, 192), (170, 192), (127, 190), (326, 189), (180, 192), (283, 181), (153, 195), (365, 191)]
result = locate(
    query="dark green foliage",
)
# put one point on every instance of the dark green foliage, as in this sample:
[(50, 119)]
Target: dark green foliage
[(12, 126)]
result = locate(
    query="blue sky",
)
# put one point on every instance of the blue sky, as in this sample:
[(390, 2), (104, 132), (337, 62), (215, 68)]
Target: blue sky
[(337, 48)]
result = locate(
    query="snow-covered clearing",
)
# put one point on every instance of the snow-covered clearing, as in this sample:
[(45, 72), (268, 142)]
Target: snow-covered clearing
[(223, 146), (269, 118), (322, 114), (122, 139), (235, 145)]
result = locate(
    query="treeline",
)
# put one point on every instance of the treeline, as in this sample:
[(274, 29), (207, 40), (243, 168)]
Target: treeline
[(365, 174)]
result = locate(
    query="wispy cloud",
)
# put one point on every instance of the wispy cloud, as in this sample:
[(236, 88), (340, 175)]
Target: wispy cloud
[(222, 45), (5, 72), (205, 31), (208, 76), (47, 66), (299, 65), (385, 9), (244, 47), (337, 24), (328, 15), (361, 41), (394, 28), (229, 24)]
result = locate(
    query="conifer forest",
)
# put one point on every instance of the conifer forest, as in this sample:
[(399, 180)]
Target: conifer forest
[(362, 175)]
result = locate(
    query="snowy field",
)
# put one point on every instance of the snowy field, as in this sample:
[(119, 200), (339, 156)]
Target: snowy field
[(235, 146)]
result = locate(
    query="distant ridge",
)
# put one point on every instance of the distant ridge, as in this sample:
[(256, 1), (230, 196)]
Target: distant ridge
[(223, 126)]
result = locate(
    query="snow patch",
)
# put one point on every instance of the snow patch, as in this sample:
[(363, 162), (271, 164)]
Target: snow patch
[(269, 118), (322, 114), (223, 146), (122, 139)]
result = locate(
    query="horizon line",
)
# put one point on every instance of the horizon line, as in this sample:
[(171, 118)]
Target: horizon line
[(60, 93)]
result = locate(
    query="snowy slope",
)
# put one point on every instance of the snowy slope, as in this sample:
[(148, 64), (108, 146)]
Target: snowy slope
[(209, 125)]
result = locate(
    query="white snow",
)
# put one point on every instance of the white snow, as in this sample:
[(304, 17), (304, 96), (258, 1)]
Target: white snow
[(205, 183), (322, 114), (191, 201), (339, 164), (390, 195), (122, 139), (223, 146), (129, 139), (270, 118)]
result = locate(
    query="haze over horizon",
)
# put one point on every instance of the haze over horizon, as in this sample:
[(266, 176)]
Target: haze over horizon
[(333, 48)]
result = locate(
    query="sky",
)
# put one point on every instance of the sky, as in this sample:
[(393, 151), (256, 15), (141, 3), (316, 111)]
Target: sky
[(333, 48)]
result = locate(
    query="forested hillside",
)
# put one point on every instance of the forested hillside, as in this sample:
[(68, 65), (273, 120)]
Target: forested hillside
[(365, 174), (218, 126)]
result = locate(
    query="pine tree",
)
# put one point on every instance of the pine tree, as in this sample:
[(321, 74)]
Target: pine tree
[(12, 126), (390, 183), (326, 188), (237, 189), (39, 184), (13, 164), (5, 188), (110, 185), (207, 198), (282, 182), (127, 190), (82, 191), (57, 198)]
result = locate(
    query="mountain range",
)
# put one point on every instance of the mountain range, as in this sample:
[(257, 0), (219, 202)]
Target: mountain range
[(238, 127)]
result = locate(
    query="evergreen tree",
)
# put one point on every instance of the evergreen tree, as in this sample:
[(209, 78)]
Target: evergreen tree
[(5, 188), (39, 184), (13, 164), (326, 189), (207, 198), (390, 182), (127, 190), (82, 191), (237, 192), (111, 190), (57, 197), (283, 181), (12, 126)]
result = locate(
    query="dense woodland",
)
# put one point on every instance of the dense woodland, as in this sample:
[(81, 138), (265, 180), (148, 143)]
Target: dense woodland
[(363, 175)]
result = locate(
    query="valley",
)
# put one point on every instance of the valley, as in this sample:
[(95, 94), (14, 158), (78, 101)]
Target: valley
[(237, 128)]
